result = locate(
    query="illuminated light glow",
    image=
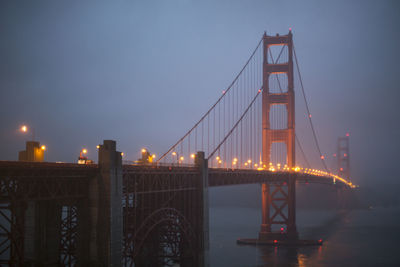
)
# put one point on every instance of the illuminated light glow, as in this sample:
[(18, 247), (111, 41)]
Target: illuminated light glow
[(144, 150), (43, 148), (344, 155), (223, 92), (255, 164), (24, 128), (322, 157), (193, 156), (122, 153), (97, 146), (182, 158), (153, 156), (84, 151), (173, 153), (245, 164), (217, 158), (290, 29), (309, 116), (249, 161), (320, 241), (220, 161), (347, 134), (259, 90), (235, 159), (275, 241)]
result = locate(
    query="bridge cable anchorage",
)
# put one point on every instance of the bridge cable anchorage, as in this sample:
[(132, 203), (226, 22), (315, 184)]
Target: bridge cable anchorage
[(308, 112), (213, 106), (236, 124), (280, 89)]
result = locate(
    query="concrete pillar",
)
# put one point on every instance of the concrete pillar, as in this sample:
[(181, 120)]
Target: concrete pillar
[(105, 209), (103, 217), (33, 152), (202, 164)]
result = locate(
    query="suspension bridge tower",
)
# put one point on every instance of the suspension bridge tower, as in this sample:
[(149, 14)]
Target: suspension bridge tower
[(343, 156), (278, 200)]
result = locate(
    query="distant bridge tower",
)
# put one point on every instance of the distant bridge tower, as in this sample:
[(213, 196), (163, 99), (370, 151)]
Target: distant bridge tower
[(343, 156), (279, 204)]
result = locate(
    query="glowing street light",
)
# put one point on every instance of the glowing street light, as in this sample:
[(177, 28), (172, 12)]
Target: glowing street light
[(43, 147), (24, 128), (175, 154)]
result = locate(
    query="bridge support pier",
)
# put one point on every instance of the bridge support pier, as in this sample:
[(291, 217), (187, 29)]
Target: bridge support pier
[(102, 231), (275, 202), (202, 164)]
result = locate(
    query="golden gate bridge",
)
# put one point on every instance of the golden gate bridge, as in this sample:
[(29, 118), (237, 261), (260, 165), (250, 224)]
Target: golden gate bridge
[(155, 213)]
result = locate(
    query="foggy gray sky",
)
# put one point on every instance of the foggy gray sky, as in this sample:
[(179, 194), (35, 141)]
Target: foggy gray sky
[(142, 72)]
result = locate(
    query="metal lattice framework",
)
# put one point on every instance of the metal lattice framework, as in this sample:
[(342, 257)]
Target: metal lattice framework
[(23, 182), (69, 231), (160, 215)]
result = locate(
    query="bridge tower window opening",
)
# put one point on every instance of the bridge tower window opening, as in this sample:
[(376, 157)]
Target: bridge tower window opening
[(278, 117), (278, 54), (278, 83), (278, 154)]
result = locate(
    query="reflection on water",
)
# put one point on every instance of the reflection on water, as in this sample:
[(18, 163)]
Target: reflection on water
[(355, 238)]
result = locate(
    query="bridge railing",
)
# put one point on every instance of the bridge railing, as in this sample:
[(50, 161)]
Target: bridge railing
[(157, 164)]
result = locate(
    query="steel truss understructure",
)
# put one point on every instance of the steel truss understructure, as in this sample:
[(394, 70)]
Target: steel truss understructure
[(162, 209), (27, 182), (162, 218)]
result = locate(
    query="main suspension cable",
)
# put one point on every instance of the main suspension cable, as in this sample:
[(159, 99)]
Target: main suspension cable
[(308, 113), (213, 106)]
